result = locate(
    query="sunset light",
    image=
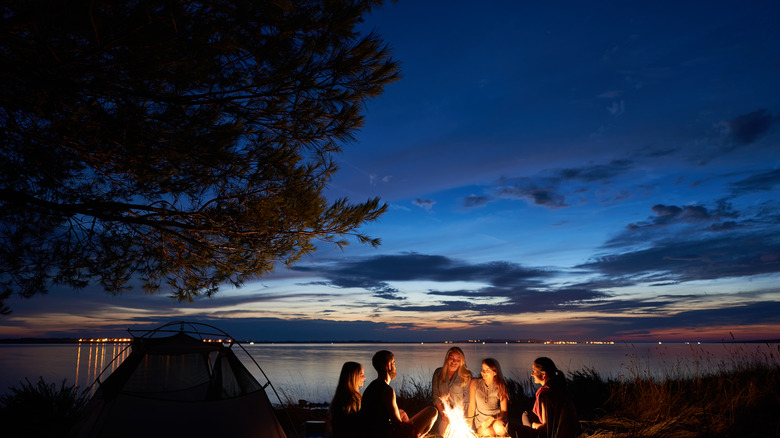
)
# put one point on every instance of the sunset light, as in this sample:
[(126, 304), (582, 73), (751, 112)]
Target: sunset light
[(553, 171)]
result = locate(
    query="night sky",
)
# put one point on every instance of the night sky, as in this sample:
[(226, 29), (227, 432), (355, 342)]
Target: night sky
[(554, 170)]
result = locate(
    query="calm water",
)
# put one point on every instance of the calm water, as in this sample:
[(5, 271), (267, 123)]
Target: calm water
[(310, 371)]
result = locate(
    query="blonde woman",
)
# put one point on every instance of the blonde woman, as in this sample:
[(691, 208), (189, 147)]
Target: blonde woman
[(488, 400), (451, 385), (345, 407)]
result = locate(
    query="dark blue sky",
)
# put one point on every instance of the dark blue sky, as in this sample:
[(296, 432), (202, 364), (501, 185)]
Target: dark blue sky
[(555, 170)]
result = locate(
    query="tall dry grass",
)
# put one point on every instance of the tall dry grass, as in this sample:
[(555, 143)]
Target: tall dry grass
[(39, 409), (734, 397)]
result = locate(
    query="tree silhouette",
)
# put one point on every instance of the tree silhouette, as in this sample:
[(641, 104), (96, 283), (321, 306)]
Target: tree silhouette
[(179, 142)]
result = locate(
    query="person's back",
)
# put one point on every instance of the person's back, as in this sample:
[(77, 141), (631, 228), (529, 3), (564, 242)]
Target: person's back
[(373, 412), (380, 414), (562, 419)]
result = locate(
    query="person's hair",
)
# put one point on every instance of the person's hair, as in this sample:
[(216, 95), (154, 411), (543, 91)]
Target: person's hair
[(381, 359), (347, 398), (463, 372), (557, 380), (498, 380)]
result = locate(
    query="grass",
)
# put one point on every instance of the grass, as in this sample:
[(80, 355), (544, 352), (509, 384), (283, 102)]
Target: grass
[(698, 397), (737, 397), (40, 409)]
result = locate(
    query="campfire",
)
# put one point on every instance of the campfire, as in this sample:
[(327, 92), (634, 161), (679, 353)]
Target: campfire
[(459, 427)]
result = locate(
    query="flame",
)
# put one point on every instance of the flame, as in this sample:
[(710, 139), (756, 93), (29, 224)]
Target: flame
[(458, 427)]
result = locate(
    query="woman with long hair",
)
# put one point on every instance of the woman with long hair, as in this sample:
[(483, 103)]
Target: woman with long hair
[(488, 400), (553, 414), (450, 386), (345, 407)]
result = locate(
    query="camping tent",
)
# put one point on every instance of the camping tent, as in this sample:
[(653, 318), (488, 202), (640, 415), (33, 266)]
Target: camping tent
[(180, 386)]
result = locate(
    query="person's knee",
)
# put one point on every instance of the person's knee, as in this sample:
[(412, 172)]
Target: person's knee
[(431, 412), (423, 421)]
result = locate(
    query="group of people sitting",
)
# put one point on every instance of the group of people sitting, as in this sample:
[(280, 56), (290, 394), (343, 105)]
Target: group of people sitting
[(483, 399)]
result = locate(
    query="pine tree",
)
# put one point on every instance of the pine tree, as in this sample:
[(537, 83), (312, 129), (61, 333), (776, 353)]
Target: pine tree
[(178, 142)]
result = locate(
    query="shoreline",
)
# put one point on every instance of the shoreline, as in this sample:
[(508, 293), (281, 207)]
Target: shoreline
[(43, 341)]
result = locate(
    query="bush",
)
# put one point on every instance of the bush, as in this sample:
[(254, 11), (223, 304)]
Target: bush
[(414, 395), (40, 410), (590, 392)]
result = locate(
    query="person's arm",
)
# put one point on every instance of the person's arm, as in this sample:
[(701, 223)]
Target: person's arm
[(542, 424), (436, 391), (500, 423), (503, 406), (463, 392), (472, 405), (440, 406), (388, 398)]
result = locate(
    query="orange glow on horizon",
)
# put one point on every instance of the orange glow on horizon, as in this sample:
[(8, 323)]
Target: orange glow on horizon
[(710, 334)]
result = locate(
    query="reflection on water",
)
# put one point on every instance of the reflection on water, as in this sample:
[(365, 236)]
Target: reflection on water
[(92, 358)]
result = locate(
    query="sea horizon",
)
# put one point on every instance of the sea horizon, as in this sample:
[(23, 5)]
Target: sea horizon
[(75, 340)]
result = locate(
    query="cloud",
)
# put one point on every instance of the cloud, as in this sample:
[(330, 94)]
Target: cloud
[(413, 266), (546, 196), (684, 224), (654, 318), (724, 226), (509, 288), (374, 274), (763, 181), (473, 201), (444, 306), (424, 203), (667, 215), (734, 134), (516, 300), (373, 178), (747, 128), (691, 321), (687, 258), (658, 152), (617, 108), (548, 190), (631, 306), (388, 294), (597, 172), (380, 289)]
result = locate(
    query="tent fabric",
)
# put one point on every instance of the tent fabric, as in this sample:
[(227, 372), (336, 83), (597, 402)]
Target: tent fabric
[(179, 386)]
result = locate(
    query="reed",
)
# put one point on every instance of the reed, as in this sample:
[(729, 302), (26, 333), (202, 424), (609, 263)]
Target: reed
[(414, 394), (696, 397), (40, 409)]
